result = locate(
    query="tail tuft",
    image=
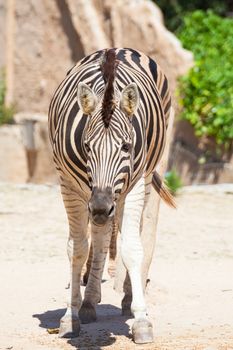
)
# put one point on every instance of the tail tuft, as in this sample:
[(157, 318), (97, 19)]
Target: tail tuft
[(162, 190)]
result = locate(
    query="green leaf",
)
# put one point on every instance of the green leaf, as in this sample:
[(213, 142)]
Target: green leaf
[(206, 92)]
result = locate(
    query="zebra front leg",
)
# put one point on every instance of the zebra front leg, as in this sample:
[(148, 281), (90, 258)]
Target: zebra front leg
[(100, 242), (132, 256), (112, 255), (77, 249)]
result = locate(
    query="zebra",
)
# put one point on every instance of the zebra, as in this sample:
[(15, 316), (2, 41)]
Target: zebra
[(107, 126)]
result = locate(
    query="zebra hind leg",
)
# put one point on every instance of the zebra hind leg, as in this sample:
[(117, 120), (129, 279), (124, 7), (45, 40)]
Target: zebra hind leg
[(113, 250), (88, 266)]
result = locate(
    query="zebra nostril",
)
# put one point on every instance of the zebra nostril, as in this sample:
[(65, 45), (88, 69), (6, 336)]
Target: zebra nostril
[(111, 211)]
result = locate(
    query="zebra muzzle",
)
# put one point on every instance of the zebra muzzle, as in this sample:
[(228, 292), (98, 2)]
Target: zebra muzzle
[(101, 206)]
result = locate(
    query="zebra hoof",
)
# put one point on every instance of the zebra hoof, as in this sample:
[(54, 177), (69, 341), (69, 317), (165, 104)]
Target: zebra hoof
[(142, 331), (69, 327), (87, 313)]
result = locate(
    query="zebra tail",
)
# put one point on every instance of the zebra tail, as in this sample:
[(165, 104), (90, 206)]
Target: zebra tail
[(162, 190)]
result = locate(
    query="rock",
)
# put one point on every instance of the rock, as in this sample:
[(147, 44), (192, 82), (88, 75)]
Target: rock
[(45, 168), (13, 162), (38, 151), (197, 160), (45, 46), (25, 151), (55, 34), (88, 24)]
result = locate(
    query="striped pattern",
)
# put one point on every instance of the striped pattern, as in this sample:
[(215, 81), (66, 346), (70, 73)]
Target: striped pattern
[(115, 148), (70, 129)]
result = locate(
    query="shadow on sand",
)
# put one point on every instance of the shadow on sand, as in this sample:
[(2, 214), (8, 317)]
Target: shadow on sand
[(95, 335)]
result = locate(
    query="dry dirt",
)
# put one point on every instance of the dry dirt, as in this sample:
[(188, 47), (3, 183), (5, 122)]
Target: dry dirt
[(190, 296)]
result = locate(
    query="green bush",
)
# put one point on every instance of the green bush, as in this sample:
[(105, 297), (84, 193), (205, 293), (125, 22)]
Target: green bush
[(6, 113), (173, 181), (206, 92), (175, 10)]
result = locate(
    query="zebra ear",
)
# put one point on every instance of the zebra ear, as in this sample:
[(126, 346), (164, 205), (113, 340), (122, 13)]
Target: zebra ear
[(87, 99), (129, 99)]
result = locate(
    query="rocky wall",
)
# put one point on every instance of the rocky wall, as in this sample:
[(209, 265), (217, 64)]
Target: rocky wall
[(49, 36)]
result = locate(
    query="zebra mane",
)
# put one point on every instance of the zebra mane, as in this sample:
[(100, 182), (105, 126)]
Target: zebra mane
[(108, 68)]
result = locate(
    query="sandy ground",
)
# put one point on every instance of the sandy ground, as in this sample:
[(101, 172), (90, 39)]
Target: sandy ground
[(190, 296)]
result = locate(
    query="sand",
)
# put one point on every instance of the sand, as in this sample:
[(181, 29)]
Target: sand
[(189, 297)]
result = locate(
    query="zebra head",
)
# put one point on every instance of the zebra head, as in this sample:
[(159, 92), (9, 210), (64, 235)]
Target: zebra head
[(108, 142)]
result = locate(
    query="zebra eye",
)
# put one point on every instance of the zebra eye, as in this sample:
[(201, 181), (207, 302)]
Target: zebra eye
[(126, 147)]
